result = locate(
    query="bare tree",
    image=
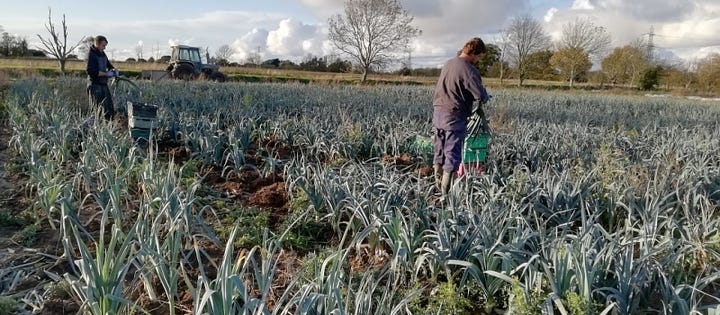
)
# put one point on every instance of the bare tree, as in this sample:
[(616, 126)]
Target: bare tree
[(253, 59), (370, 31), (56, 45), (84, 47), (583, 34), (139, 50), (223, 54), (503, 42), (525, 36)]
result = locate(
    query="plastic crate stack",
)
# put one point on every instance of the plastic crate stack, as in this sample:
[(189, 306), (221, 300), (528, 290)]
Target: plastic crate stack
[(142, 120)]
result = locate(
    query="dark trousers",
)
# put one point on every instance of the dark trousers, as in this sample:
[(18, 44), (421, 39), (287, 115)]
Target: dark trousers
[(99, 96), (447, 147)]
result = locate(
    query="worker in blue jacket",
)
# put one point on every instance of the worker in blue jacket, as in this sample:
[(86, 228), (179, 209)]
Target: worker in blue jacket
[(458, 87), (99, 70)]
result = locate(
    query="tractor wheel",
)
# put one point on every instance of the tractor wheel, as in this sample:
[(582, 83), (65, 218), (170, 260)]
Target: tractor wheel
[(183, 71), (218, 76)]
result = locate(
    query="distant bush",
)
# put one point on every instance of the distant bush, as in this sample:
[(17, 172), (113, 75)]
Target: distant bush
[(650, 78)]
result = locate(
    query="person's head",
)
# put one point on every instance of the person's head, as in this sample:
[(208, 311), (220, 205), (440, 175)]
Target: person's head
[(474, 48), (100, 42)]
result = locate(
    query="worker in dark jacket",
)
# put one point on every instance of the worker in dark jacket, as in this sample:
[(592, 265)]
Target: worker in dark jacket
[(458, 87), (99, 69)]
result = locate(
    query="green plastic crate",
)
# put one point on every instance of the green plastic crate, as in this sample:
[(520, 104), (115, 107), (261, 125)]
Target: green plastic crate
[(475, 155), (478, 141), (476, 148)]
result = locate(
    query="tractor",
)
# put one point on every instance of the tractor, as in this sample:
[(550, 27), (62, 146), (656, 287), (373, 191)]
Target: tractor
[(185, 64)]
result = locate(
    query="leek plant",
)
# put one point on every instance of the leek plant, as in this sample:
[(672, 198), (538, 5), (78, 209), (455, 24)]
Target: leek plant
[(99, 285)]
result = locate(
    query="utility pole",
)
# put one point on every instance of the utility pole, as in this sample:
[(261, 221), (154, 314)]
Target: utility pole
[(651, 44), (259, 59), (410, 59)]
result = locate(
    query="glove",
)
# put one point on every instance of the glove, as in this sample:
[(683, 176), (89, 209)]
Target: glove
[(486, 98), (110, 74), (117, 72)]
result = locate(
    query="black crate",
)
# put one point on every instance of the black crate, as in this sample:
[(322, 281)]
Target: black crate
[(141, 110), (140, 133)]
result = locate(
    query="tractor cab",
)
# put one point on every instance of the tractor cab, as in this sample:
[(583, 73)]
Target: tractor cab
[(186, 63), (188, 54)]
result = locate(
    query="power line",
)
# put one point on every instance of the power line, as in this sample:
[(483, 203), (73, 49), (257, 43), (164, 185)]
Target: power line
[(651, 45), (681, 37)]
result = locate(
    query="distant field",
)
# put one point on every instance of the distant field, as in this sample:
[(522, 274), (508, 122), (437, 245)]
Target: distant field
[(46, 67), (261, 74)]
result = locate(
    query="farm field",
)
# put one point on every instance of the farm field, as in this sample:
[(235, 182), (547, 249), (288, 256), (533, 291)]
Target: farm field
[(258, 198), (38, 67), (23, 68)]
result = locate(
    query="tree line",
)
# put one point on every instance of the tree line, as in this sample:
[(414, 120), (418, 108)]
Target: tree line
[(12, 46), (524, 51)]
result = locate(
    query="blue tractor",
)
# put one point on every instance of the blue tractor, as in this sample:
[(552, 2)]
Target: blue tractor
[(186, 64)]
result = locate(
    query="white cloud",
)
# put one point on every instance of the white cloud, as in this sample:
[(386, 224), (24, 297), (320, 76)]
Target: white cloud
[(251, 43), (582, 5), (550, 14), (293, 38)]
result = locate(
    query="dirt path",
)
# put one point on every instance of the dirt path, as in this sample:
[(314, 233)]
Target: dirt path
[(20, 270), (6, 191)]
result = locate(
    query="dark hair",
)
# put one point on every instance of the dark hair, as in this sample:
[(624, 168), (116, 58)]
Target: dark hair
[(100, 38), (475, 46)]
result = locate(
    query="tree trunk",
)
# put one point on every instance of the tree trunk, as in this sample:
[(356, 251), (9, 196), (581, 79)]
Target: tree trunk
[(62, 66), (364, 75), (502, 72), (572, 77)]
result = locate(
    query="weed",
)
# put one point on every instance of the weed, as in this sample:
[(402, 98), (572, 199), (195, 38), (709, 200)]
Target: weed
[(8, 219), (524, 303), (253, 220), (28, 235), (444, 299), (60, 289), (576, 305), (307, 230), (7, 305)]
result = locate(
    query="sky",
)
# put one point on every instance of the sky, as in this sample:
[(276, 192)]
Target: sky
[(684, 30)]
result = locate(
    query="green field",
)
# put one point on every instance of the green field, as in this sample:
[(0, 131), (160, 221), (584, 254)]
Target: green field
[(259, 198)]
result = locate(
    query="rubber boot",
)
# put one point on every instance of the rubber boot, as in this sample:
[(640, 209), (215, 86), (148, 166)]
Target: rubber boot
[(446, 183), (437, 172)]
